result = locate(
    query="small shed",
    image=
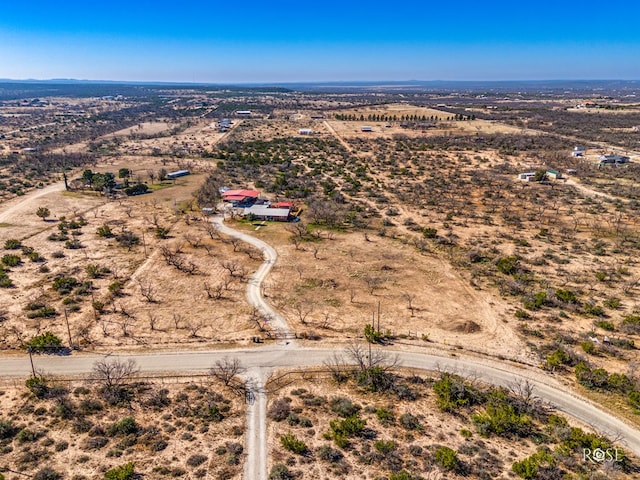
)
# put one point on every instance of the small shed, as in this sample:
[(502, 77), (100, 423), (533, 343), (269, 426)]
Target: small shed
[(554, 174), (305, 131), (366, 128)]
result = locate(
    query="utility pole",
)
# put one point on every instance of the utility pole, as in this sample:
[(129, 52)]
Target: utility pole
[(33, 370), (66, 318)]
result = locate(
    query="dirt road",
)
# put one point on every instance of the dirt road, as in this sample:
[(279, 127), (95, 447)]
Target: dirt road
[(17, 205), (261, 362), (254, 287)]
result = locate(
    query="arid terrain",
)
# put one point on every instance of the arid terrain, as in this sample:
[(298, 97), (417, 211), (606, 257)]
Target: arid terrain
[(417, 234)]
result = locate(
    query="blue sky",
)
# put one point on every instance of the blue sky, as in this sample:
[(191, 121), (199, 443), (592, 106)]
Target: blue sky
[(287, 41)]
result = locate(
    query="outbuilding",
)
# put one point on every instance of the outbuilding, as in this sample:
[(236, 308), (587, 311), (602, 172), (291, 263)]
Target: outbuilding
[(266, 212)]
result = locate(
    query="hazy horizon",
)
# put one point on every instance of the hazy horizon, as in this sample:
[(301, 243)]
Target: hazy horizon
[(294, 42)]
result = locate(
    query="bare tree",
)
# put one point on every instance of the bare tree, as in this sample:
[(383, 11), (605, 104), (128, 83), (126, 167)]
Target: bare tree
[(153, 320), (214, 291), (227, 370), (234, 268), (128, 319), (297, 229), (194, 327), (212, 229), (303, 309), (177, 320), (113, 375), (409, 297), (194, 240), (236, 244), (373, 283), (147, 289), (364, 357)]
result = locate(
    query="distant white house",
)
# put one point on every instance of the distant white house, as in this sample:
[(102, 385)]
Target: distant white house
[(578, 151), (366, 128), (305, 131), (612, 158), (526, 176), (243, 112)]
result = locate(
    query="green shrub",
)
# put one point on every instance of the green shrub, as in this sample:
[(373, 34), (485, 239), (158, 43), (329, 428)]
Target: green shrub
[(12, 244), (280, 472), (410, 422), (342, 430), (104, 231), (402, 475), (38, 386), (501, 417), (116, 288), (47, 473), (125, 426), (605, 325), (385, 416), (279, 410), (385, 447), (447, 458), (291, 443), (612, 302), (138, 189), (631, 324), (453, 392), (429, 232), (44, 312), (566, 296), (196, 460), (508, 265), (633, 399), (329, 454), (123, 472), (7, 429), (27, 436), (64, 285), (45, 342), (588, 347), (592, 309), (11, 260), (528, 468), (343, 406)]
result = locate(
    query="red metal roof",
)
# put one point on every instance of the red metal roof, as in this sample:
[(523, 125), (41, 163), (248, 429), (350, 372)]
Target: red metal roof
[(240, 193), (282, 205)]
